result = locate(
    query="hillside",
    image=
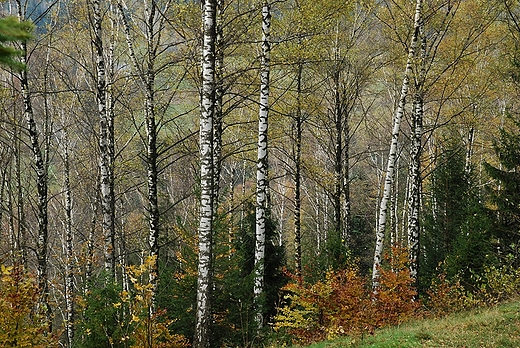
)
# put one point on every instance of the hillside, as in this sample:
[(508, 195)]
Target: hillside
[(491, 327)]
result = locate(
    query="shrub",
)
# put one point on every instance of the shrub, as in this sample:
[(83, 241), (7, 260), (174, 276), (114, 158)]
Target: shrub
[(446, 296), (343, 303), (396, 298), (112, 317), (23, 324)]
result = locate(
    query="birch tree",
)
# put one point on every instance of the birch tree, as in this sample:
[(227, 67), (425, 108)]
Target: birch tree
[(106, 143), (146, 72), (262, 180), (40, 156), (203, 314), (392, 155)]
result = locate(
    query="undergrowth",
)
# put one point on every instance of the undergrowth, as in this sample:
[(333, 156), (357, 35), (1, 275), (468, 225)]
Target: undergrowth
[(344, 304)]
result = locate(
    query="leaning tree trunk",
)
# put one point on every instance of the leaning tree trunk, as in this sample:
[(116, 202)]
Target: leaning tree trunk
[(262, 180), (392, 156), (203, 314)]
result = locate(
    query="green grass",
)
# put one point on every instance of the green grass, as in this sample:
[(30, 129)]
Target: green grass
[(490, 327)]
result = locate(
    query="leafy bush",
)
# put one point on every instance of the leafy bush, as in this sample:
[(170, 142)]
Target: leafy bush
[(112, 317), (396, 298), (498, 283), (343, 303), (446, 296), (23, 324)]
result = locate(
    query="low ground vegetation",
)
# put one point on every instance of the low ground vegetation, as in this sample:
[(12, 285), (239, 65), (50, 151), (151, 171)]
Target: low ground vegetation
[(344, 304)]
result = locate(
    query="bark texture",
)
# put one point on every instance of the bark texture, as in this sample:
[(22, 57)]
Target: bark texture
[(262, 180), (203, 314), (106, 146), (392, 155)]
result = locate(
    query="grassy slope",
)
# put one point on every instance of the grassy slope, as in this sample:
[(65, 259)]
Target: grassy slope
[(492, 327)]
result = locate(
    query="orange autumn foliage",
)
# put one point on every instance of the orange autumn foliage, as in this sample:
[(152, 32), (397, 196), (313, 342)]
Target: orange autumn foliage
[(344, 303)]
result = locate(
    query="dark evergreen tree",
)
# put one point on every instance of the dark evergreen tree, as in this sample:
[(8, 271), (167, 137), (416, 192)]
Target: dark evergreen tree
[(234, 295), (455, 225), (11, 30), (505, 193)]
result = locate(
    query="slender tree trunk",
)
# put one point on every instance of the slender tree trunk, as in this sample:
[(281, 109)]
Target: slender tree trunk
[(151, 150), (203, 314), (106, 146), (40, 166), (380, 233), (147, 76), (415, 186), (262, 179), (338, 154), (346, 232), (414, 203), (69, 249), (297, 153), (218, 119), (469, 150), (90, 246)]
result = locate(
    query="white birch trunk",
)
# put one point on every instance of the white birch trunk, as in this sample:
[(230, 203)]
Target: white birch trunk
[(415, 186), (69, 249), (415, 161), (40, 165), (297, 153), (146, 77), (203, 314), (262, 180), (380, 233), (105, 146)]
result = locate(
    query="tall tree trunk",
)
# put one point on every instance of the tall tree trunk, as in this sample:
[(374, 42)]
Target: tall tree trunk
[(262, 179), (106, 146), (414, 202), (338, 154), (203, 314), (147, 76), (40, 165), (297, 153), (415, 185), (381, 227), (151, 150), (218, 118), (69, 248), (346, 232)]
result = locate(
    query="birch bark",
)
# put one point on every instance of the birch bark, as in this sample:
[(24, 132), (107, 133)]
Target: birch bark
[(392, 155), (415, 186), (106, 146), (69, 247), (414, 201), (40, 165), (262, 180), (297, 153), (203, 314)]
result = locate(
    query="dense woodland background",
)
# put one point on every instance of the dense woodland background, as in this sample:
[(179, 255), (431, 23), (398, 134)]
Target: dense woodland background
[(100, 156)]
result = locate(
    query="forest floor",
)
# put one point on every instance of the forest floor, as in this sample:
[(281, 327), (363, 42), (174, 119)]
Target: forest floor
[(498, 326)]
